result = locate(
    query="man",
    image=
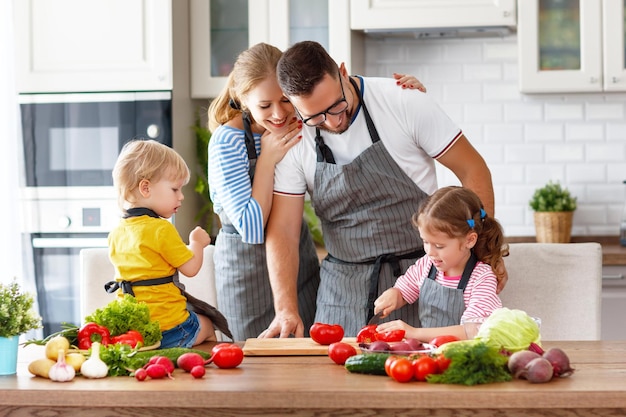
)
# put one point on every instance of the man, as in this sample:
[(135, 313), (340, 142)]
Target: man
[(367, 161)]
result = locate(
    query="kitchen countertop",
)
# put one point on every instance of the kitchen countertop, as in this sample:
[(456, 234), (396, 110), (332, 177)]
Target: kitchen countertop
[(314, 385)]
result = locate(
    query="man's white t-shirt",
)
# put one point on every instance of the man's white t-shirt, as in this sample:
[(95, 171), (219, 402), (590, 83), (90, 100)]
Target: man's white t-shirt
[(413, 128)]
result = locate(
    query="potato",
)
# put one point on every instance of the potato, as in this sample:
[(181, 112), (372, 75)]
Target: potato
[(41, 367), (75, 360), (54, 345)]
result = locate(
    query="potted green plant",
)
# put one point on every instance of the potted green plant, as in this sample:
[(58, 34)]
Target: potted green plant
[(554, 208), (16, 317), (206, 213)]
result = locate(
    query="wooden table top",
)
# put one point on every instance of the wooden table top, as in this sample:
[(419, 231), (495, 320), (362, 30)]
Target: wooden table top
[(314, 385)]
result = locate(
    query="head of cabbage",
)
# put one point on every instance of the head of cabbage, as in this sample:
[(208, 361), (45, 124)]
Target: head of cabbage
[(510, 329)]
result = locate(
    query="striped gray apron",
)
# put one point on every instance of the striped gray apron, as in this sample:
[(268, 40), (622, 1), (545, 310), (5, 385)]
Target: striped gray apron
[(441, 306), (244, 294), (365, 208)]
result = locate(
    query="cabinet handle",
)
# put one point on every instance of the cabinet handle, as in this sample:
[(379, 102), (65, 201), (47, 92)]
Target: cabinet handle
[(614, 80), (617, 276)]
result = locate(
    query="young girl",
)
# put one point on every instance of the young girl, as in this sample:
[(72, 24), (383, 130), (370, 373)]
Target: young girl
[(147, 250), (455, 280)]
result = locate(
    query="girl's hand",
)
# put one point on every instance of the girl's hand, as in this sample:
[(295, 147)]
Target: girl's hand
[(388, 301), (274, 145), (409, 331), (409, 81)]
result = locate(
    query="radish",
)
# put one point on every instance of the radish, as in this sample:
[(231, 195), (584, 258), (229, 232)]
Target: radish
[(187, 361), (156, 371), (198, 371), (164, 361), (141, 374)]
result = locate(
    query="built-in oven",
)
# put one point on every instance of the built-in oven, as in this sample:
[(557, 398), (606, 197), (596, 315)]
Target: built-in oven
[(71, 143)]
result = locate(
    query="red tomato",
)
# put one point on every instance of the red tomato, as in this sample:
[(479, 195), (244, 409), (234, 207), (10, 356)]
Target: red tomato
[(442, 340), (227, 355), (325, 334), (442, 362), (367, 334), (401, 370), (424, 366), (391, 336), (340, 351), (390, 360)]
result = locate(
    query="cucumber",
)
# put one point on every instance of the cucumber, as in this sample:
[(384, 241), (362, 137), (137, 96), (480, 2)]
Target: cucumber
[(367, 363)]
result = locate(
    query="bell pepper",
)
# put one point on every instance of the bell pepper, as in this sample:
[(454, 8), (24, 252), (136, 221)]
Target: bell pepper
[(131, 337), (367, 334), (93, 332)]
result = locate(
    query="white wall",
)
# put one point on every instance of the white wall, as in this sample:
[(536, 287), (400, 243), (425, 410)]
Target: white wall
[(577, 139)]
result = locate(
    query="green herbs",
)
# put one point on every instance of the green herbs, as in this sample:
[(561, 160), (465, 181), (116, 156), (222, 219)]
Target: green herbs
[(552, 197), (16, 313), (471, 363), (124, 314)]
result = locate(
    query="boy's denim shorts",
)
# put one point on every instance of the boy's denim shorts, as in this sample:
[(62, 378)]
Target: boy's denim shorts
[(183, 335)]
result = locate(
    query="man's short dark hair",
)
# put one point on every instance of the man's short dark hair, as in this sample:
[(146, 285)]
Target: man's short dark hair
[(302, 67)]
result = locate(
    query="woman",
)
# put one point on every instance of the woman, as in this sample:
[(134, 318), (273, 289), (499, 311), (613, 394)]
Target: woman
[(251, 115)]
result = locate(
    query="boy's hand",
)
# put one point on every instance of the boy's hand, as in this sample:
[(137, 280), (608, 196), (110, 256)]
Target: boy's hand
[(199, 236)]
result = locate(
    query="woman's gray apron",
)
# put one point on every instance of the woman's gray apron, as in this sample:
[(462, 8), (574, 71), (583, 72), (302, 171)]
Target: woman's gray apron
[(244, 294), (441, 306), (365, 208)]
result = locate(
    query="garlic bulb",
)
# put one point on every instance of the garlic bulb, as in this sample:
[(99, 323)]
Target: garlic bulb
[(61, 371), (94, 367)]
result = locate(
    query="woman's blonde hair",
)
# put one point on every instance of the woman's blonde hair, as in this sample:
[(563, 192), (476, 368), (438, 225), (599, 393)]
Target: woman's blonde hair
[(251, 67), (145, 160), (458, 211)]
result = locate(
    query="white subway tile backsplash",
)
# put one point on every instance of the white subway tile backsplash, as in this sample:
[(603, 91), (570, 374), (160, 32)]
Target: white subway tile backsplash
[(555, 111), (605, 111), (605, 152), (577, 139), (483, 112), (523, 112), (543, 132), (509, 133), (565, 153), (584, 131), (523, 154)]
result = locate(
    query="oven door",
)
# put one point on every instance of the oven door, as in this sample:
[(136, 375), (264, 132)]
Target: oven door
[(74, 139), (57, 276)]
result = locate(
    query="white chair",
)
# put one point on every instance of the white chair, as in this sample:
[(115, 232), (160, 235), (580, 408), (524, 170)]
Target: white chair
[(96, 270), (561, 283)]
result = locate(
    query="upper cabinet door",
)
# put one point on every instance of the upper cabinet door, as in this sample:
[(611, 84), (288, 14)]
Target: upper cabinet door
[(221, 29), (562, 44), (409, 14), (614, 18), (82, 46)]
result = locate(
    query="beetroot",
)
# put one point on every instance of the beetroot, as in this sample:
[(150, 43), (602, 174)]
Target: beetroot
[(537, 370), (519, 360), (559, 361)]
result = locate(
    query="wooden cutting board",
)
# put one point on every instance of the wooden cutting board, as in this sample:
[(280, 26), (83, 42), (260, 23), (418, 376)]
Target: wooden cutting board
[(289, 346)]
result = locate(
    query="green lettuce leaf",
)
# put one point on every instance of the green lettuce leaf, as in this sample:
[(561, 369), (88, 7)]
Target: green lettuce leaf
[(510, 329)]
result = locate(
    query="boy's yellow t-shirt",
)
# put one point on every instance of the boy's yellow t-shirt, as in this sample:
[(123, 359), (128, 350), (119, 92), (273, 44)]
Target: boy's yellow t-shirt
[(145, 247)]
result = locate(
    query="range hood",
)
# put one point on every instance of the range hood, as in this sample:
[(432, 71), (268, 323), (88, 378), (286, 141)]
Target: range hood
[(433, 19), (441, 33)]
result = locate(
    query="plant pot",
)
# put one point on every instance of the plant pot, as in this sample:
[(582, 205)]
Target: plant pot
[(553, 226), (8, 355)]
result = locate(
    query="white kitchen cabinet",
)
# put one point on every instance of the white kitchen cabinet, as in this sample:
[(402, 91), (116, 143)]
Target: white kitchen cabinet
[(571, 46), (221, 29), (613, 302), (422, 14), (83, 46)]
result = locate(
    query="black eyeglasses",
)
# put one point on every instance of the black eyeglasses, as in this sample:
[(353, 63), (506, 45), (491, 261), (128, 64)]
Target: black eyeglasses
[(334, 110)]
